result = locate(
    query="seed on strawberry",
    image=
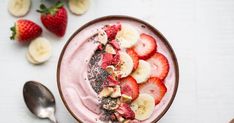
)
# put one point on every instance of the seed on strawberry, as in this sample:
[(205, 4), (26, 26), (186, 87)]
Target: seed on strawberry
[(159, 66), (145, 47), (25, 31), (54, 18)]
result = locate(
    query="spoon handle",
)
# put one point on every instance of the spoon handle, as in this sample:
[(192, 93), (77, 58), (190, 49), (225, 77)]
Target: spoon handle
[(52, 118)]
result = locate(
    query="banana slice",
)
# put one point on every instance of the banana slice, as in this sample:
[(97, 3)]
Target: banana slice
[(30, 59), (78, 7), (19, 8), (126, 64), (143, 106), (40, 49), (142, 73), (127, 36)]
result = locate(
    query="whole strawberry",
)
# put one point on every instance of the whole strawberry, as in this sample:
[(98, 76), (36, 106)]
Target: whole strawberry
[(54, 18), (25, 31)]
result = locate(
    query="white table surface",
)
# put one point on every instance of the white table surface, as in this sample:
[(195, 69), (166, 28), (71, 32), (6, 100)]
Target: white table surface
[(200, 31)]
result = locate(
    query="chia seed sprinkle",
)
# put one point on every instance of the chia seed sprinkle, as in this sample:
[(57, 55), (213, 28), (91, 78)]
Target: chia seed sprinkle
[(96, 74)]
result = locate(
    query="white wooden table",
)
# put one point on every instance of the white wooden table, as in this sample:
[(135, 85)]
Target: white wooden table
[(200, 31)]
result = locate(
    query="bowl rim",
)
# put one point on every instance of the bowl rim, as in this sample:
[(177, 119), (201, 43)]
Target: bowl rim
[(123, 17)]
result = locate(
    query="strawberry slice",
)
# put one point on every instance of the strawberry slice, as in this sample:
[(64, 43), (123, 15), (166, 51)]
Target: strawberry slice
[(146, 46), (134, 57), (125, 111), (155, 87), (129, 87), (159, 66)]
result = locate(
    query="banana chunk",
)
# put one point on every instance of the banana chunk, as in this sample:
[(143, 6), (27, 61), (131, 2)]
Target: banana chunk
[(142, 73), (78, 7), (143, 106), (30, 59), (127, 36), (19, 8), (40, 49)]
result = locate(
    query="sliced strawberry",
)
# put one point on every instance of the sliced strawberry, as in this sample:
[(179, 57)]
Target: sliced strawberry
[(112, 30), (125, 111), (129, 87), (159, 66), (155, 87), (115, 44), (146, 46), (134, 57)]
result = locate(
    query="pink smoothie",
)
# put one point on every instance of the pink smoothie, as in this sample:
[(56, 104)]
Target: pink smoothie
[(78, 94)]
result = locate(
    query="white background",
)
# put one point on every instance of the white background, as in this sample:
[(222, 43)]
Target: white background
[(200, 31)]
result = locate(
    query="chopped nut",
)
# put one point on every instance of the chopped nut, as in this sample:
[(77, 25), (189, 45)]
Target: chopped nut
[(102, 37), (125, 98), (117, 92), (110, 49), (107, 91)]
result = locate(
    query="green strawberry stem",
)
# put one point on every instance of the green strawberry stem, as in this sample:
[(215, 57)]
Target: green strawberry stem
[(13, 29), (52, 10)]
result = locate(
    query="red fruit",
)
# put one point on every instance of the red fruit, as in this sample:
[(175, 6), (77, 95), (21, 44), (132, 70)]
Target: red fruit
[(115, 44), (54, 18), (111, 81), (155, 87), (146, 46), (25, 31), (106, 60), (129, 87), (125, 111), (100, 47), (159, 66), (116, 59), (134, 57), (109, 59), (112, 30)]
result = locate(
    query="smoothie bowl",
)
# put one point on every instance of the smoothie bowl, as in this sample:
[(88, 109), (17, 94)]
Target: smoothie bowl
[(117, 69)]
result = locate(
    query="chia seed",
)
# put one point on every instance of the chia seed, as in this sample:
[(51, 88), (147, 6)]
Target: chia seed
[(96, 74)]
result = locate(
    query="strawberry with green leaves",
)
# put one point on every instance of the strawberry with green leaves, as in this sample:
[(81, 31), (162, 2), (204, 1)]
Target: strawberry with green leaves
[(25, 30), (54, 18)]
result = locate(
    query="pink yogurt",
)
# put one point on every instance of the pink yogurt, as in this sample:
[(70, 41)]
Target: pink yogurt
[(75, 87)]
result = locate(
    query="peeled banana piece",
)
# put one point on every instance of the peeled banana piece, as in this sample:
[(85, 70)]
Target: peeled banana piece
[(143, 106), (78, 7), (39, 50), (19, 8)]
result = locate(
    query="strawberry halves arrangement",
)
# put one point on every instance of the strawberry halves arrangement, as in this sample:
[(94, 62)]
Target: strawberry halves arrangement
[(128, 73)]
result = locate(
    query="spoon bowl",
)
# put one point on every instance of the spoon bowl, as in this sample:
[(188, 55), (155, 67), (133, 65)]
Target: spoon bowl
[(39, 100)]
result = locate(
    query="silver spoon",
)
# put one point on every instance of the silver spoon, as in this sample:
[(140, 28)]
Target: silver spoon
[(39, 100)]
